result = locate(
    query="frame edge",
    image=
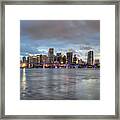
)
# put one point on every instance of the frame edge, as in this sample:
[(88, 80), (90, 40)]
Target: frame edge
[(2, 64)]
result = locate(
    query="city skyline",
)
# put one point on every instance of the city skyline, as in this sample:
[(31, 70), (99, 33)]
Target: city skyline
[(58, 60), (62, 55), (78, 36)]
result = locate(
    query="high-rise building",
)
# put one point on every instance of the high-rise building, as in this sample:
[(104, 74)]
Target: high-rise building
[(51, 55), (24, 59), (34, 61), (55, 58), (97, 62), (59, 57), (39, 59), (69, 57), (30, 61), (45, 58), (64, 59), (74, 59), (90, 58)]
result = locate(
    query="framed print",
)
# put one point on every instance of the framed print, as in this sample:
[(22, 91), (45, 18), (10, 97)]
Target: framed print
[(59, 59)]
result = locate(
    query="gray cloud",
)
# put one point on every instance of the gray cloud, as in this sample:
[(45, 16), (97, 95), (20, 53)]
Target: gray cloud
[(66, 29), (39, 35)]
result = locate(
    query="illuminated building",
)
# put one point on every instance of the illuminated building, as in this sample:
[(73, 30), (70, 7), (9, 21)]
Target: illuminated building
[(69, 57), (24, 59), (34, 61), (27, 59), (71, 60), (97, 63), (30, 61), (51, 55), (45, 58), (90, 58), (39, 59), (55, 58), (64, 59), (74, 59), (59, 57)]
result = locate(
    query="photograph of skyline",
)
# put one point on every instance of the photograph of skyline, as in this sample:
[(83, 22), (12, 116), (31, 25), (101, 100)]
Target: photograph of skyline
[(60, 59)]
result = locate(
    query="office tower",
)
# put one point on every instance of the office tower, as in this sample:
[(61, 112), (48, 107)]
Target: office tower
[(24, 59), (30, 61), (90, 58), (59, 58), (64, 59), (51, 55), (69, 57), (34, 58), (55, 58), (97, 63), (74, 59), (39, 59), (45, 58)]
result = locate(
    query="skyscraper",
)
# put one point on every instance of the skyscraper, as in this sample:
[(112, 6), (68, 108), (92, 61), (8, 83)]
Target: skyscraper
[(24, 59), (27, 59), (45, 58), (69, 57), (51, 55), (74, 59), (34, 58), (59, 57), (30, 61), (39, 59), (97, 63), (90, 58), (64, 59)]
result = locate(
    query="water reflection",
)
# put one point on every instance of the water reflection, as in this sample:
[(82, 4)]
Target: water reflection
[(60, 84), (23, 82)]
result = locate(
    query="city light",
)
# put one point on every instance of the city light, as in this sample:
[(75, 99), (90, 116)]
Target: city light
[(24, 65), (68, 60)]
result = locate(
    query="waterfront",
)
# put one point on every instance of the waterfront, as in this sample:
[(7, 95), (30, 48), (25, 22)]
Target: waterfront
[(59, 84)]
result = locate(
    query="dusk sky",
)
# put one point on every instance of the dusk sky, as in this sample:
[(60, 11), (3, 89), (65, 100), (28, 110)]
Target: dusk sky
[(78, 36)]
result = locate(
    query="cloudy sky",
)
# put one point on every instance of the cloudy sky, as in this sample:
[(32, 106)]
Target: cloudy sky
[(79, 36)]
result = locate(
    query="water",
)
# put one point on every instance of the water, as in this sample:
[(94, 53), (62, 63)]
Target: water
[(59, 84)]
